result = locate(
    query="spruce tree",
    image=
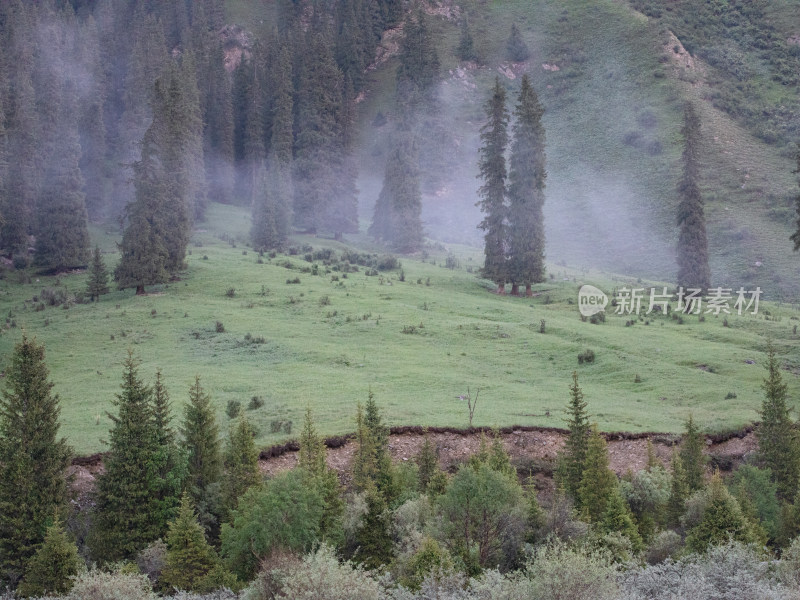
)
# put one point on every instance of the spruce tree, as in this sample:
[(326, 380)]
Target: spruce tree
[(599, 482), (516, 48), (33, 459), (617, 518), (692, 252), (272, 208), (572, 460), (62, 234), (692, 457), (679, 492), (397, 216), (169, 461), (189, 556), (128, 515), (98, 276), (428, 464), (492, 165), (418, 71), (318, 134), (51, 569), (722, 520), (373, 538), (22, 123), (218, 132), (778, 443), (241, 465), (202, 447), (526, 182), (796, 235), (466, 45), (322, 478)]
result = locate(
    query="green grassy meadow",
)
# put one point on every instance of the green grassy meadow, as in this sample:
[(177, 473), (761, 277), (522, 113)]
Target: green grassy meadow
[(326, 343)]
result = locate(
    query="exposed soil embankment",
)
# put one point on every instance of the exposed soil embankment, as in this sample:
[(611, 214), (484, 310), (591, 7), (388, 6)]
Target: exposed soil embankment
[(533, 450)]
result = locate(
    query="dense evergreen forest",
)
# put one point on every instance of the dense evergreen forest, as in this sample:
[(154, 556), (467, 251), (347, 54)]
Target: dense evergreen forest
[(143, 112)]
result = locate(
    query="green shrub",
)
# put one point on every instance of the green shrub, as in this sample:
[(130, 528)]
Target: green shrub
[(233, 409), (560, 571), (321, 576), (102, 585), (285, 513), (586, 357)]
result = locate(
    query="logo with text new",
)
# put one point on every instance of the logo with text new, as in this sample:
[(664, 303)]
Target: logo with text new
[(591, 300)]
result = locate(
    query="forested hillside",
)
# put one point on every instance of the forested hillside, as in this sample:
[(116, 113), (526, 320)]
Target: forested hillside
[(311, 112)]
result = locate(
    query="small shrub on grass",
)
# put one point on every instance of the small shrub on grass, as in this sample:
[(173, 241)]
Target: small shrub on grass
[(256, 402), (730, 395), (219, 327), (325, 300), (586, 357), (233, 409), (230, 292), (296, 280)]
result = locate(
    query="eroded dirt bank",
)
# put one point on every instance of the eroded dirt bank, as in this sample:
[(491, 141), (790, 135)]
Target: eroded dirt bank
[(533, 451)]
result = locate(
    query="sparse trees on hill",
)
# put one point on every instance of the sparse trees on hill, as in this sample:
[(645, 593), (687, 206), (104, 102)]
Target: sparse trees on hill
[(692, 252), (492, 165), (33, 459)]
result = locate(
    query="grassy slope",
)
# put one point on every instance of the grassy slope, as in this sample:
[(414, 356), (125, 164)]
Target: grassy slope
[(312, 357)]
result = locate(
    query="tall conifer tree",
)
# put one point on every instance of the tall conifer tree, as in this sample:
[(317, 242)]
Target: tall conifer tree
[(33, 459), (526, 182), (397, 215), (598, 482), (692, 253), (492, 165), (778, 442), (202, 447), (127, 514), (692, 457), (572, 461), (241, 465), (98, 276), (62, 235), (796, 235), (272, 208)]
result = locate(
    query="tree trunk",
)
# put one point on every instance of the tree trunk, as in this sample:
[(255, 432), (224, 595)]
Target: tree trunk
[(515, 289), (528, 290), (140, 290), (501, 289)]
